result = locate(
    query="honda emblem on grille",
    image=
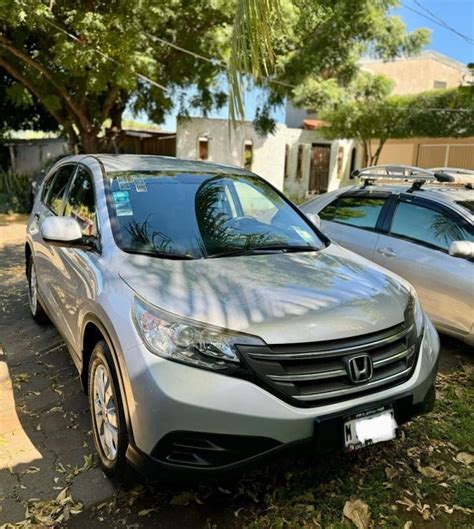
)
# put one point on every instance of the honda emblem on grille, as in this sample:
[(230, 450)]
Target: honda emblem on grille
[(360, 368)]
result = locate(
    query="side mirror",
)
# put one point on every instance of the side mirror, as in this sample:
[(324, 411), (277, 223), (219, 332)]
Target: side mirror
[(462, 249), (65, 232), (315, 219)]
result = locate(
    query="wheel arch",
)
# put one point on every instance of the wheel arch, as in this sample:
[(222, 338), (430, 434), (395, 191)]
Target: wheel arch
[(93, 330)]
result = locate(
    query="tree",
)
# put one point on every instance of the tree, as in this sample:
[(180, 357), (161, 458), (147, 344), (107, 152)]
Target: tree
[(438, 113), (18, 110), (86, 60), (317, 46)]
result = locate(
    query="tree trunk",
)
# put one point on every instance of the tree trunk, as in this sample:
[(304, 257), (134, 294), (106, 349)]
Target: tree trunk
[(367, 153), (90, 142), (378, 152)]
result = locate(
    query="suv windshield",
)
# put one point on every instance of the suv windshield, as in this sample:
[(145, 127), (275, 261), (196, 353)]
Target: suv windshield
[(189, 215)]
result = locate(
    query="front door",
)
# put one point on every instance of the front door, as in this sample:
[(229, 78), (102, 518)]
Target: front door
[(319, 168)]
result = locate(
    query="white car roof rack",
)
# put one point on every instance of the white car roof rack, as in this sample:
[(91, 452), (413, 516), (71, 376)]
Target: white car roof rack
[(405, 173)]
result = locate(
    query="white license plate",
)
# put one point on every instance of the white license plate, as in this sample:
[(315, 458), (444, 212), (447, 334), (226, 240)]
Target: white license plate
[(370, 428)]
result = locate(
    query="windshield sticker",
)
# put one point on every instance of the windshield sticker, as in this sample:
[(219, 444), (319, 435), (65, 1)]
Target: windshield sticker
[(140, 185), (305, 235), (122, 203), (123, 183)]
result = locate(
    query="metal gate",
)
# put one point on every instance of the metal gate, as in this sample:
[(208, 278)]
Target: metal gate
[(457, 155), (319, 168)]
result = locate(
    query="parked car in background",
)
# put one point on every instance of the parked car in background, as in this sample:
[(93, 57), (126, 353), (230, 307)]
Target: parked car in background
[(212, 324), (424, 233)]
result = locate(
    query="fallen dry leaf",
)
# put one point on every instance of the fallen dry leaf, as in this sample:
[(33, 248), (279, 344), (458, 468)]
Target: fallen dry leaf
[(465, 458), (358, 512)]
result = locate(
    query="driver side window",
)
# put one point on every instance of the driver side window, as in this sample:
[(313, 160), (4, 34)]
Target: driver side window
[(81, 202)]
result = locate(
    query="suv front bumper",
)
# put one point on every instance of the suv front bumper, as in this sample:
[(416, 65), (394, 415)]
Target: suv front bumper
[(186, 420)]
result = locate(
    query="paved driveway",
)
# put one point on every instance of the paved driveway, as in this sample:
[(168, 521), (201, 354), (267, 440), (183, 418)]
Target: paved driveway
[(46, 448)]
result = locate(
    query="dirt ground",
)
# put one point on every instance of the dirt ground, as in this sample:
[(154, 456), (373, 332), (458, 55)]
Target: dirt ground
[(48, 470)]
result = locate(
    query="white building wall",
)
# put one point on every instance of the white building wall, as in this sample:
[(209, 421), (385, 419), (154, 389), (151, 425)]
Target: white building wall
[(226, 145)]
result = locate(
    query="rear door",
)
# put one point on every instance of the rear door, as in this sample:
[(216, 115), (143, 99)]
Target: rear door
[(416, 248), (355, 219)]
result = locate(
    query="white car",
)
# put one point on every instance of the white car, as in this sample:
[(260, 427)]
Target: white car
[(416, 231)]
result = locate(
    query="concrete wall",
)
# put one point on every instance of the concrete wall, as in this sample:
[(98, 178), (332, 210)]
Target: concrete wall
[(28, 156), (419, 74), (226, 145), (430, 152)]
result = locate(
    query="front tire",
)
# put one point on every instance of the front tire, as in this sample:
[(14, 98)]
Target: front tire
[(36, 310), (108, 419)]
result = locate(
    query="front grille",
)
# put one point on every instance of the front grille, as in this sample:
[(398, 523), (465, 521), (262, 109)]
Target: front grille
[(317, 373)]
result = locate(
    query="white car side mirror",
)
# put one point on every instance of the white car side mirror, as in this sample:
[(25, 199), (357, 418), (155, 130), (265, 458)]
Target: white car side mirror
[(315, 219), (462, 249), (64, 231)]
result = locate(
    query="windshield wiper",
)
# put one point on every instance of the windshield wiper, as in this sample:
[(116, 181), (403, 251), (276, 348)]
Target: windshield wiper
[(163, 254), (259, 250)]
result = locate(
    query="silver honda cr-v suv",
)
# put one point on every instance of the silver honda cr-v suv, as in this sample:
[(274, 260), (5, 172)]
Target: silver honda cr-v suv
[(212, 323)]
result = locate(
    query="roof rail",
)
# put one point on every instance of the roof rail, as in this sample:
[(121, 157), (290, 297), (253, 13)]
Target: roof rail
[(406, 173)]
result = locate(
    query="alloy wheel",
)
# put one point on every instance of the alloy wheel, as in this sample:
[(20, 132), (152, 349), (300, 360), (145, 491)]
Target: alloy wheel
[(105, 412), (33, 290)]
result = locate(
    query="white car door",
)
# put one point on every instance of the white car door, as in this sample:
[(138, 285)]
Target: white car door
[(416, 248), (354, 219)]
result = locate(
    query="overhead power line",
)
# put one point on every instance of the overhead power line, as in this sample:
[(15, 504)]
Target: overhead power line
[(443, 22), (200, 57), (437, 20)]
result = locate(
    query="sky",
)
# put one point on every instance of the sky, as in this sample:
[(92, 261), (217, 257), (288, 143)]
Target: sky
[(459, 14)]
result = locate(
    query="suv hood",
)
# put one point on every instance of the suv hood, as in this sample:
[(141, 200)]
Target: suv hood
[(282, 298)]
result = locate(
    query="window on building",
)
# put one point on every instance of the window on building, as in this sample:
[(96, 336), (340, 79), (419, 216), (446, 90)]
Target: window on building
[(287, 154), (248, 155), (440, 84), (203, 148), (299, 165)]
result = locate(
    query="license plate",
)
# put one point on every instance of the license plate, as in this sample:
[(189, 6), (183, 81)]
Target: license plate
[(369, 428)]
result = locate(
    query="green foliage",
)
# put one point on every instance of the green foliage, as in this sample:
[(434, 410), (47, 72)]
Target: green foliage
[(439, 113), (317, 54), (19, 110), (86, 61), (15, 192)]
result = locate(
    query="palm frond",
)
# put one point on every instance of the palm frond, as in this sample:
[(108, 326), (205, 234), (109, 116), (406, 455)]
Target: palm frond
[(251, 48)]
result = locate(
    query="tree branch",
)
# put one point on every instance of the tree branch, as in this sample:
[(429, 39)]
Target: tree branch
[(109, 102), (5, 43), (16, 74)]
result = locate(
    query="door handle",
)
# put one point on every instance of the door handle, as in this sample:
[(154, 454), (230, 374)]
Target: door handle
[(387, 252), (37, 216)]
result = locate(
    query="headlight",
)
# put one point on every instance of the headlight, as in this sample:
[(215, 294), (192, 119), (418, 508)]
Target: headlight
[(187, 341), (414, 312)]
